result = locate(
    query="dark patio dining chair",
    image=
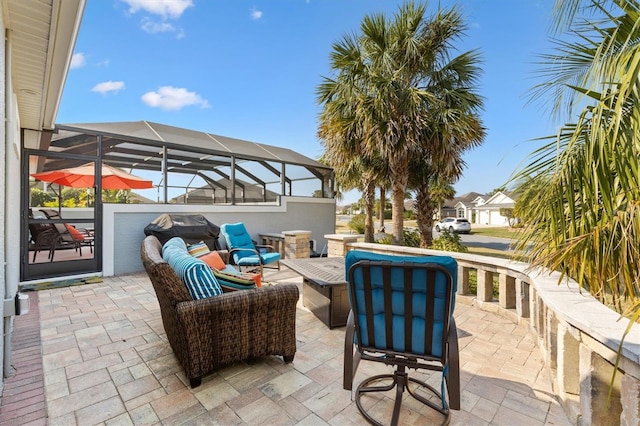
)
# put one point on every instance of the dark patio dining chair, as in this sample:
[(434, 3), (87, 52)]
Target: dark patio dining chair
[(69, 234), (402, 316), (43, 237)]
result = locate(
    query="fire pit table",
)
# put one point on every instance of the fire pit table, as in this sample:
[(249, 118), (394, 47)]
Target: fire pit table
[(324, 288)]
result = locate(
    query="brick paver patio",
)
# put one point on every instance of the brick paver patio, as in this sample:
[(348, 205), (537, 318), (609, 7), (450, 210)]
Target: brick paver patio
[(97, 354)]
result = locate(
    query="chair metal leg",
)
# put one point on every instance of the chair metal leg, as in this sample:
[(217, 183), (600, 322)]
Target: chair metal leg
[(401, 381), (453, 374), (400, 377)]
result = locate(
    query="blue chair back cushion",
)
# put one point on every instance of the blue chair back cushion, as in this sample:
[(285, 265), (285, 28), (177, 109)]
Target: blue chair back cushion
[(418, 301), (237, 237), (193, 272)]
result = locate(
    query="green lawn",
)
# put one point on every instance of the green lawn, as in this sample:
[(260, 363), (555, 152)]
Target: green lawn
[(498, 231), (489, 252)]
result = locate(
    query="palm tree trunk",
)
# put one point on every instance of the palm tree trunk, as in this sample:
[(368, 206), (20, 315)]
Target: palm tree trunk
[(397, 209), (369, 195), (424, 215), (383, 202), (399, 179)]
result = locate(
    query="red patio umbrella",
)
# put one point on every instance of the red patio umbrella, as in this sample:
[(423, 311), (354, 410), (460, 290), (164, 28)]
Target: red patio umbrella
[(84, 177)]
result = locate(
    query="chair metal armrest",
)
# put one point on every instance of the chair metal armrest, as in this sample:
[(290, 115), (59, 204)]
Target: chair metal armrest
[(270, 248), (256, 252), (453, 374), (351, 354)]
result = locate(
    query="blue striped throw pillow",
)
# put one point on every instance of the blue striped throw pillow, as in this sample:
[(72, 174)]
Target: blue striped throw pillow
[(193, 272)]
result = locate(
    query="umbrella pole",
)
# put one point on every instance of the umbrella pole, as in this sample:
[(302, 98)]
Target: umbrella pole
[(59, 200)]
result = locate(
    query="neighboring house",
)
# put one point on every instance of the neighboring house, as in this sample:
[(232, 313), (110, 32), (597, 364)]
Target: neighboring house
[(461, 206), (479, 208), (488, 212)]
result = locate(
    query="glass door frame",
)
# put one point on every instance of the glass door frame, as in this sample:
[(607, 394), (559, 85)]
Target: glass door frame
[(53, 269)]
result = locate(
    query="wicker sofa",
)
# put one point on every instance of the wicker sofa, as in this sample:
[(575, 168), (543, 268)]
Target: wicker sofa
[(209, 333)]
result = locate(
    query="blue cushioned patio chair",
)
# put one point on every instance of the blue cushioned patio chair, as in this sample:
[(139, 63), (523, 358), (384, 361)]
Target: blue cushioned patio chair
[(244, 252), (402, 315)]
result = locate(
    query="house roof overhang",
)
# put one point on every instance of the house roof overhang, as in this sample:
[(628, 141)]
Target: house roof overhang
[(42, 36)]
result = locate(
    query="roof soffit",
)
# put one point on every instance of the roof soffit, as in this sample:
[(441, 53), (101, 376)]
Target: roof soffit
[(42, 36)]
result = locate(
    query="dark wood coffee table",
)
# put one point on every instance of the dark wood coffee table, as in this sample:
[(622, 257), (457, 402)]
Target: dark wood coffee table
[(324, 288)]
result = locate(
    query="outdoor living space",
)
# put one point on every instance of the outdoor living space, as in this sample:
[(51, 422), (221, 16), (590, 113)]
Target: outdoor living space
[(105, 359)]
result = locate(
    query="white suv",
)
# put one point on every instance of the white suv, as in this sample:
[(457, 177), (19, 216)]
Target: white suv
[(453, 224)]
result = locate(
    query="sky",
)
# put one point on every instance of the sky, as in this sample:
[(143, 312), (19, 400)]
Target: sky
[(250, 70)]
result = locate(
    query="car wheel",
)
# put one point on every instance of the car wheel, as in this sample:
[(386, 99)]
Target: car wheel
[(451, 229), (437, 228)]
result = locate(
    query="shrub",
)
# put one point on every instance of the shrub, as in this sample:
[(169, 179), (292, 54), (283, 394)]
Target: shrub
[(449, 241), (39, 198), (357, 223), (411, 238)]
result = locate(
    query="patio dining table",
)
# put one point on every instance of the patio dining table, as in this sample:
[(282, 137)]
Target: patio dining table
[(324, 288)]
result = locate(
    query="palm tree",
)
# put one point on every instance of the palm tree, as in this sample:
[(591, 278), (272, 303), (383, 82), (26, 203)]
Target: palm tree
[(339, 136), (430, 194), (581, 191), (389, 72), (344, 134), (441, 192), (455, 127)]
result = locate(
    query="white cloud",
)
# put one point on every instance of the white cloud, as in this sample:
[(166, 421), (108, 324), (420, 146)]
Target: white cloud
[(157, 27), (173, 98), (78, 60), (256, 14), (171, 9), (108, 87)]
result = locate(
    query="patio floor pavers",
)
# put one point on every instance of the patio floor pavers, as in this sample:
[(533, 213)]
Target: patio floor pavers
[(97, 354)]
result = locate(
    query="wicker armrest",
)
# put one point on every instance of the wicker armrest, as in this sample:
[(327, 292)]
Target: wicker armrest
[(225, 255), (229, 307), (238, 325)]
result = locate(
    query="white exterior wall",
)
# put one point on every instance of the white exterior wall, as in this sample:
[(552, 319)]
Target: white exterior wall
[(483, 217), (491, 217), (4, 145), (10, 193), (124, 224), (495, 218)]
